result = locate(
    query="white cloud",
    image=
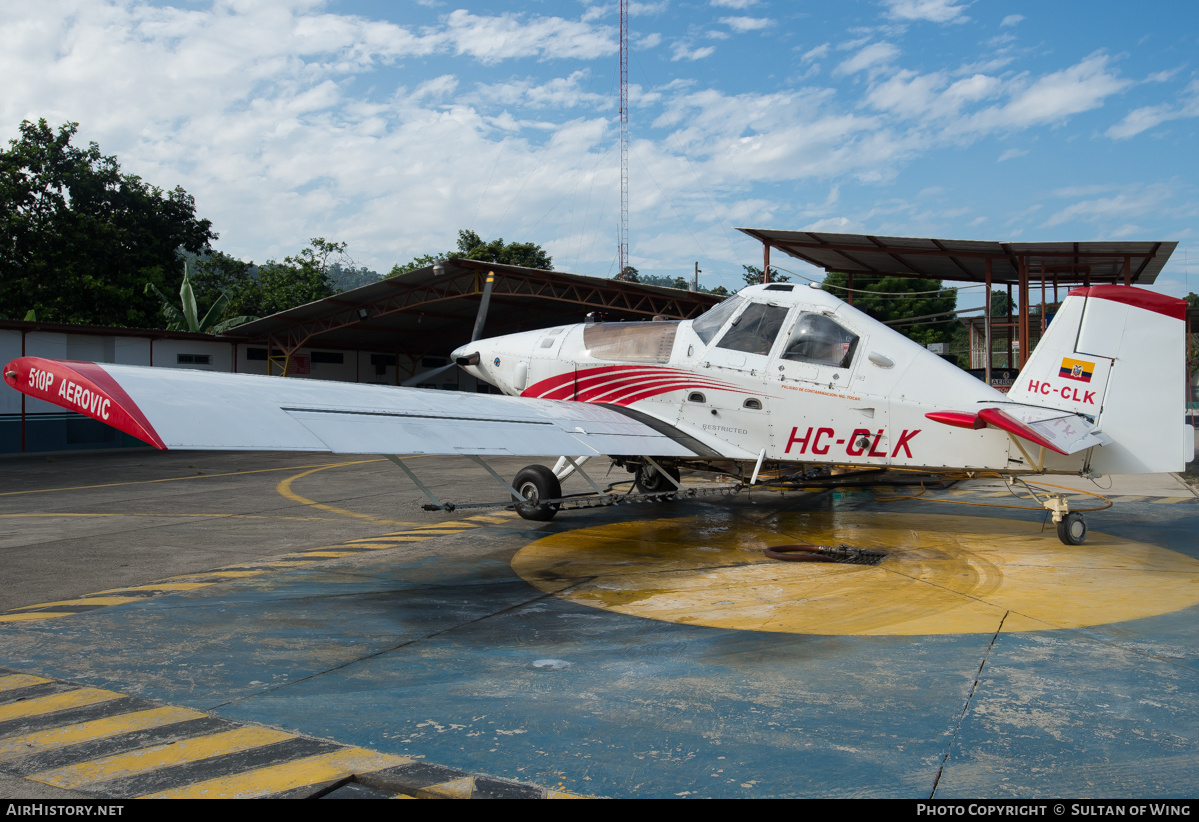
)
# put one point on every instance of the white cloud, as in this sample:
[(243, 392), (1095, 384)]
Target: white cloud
[(934, 11), (1052, 98), (872, 55), (1011, 154), (495, 38), (684, 51), (643, 9), (1012, 20), (744, 24), (1146, 117), (1115, 210), (558, 92), (733, 4), (817, 53)]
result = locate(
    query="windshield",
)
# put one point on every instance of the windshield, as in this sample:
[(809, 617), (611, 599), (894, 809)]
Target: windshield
[(711, 321), (754, 331)]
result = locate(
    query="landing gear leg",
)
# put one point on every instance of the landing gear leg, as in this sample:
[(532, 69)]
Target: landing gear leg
[(650, 480)]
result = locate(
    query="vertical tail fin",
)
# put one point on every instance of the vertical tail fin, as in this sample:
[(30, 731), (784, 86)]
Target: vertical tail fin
[(1116, 353)]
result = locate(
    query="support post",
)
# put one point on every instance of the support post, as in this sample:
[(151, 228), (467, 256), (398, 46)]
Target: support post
[(1023, 311), (987, 324), (766, 262)]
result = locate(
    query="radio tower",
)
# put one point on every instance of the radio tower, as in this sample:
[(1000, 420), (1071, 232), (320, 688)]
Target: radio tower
[(624, 139)]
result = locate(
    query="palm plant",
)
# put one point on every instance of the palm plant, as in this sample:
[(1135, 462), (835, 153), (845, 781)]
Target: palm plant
[(187, 316)]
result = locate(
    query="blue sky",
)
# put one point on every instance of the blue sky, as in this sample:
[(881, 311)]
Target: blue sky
[(391, 125)]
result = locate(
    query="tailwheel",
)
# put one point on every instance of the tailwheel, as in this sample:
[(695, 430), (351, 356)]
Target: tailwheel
[(651, 481), (536, 482), (1071, 529)]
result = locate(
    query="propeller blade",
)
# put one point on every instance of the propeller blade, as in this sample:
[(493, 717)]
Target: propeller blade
[(427, 375), (483, 305)]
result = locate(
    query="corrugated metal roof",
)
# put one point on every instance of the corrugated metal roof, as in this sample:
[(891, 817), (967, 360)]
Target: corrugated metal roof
[(966, 260), (425, 312)]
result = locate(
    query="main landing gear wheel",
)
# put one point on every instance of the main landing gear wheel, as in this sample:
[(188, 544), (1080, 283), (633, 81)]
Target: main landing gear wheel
[(650, 481), (1072, 530), (536, 482)]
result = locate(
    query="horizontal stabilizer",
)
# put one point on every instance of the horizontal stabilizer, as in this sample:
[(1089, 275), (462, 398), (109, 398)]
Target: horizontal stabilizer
[(1063, 433)]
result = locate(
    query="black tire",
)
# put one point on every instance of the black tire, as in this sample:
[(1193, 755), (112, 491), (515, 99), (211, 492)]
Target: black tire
[(535, 482), (649, 481), (1072, 530)]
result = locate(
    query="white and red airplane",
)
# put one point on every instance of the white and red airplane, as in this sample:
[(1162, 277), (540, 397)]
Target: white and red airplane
[(778, 377)]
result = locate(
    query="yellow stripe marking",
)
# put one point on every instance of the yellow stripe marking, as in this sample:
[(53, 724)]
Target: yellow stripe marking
[(159, 756), (163, 586), (26, 744), (34, 615), (84, 601), (14, 681), (218, 574), (169, 479), (330, 553), (39, 705), (1171, 500), (372, 540), (491, 519), (284, 489), (372, 546), (278, 778), (168, 516), (460, 788)]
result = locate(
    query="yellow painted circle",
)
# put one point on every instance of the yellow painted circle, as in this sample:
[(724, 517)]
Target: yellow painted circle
[(943, 575)]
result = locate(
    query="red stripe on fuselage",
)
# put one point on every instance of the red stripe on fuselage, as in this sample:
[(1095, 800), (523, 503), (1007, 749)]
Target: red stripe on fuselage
[(593, 384)]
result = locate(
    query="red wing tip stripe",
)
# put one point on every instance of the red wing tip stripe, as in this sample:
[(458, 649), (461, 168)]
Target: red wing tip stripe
[(85, 388), (1138, 297)]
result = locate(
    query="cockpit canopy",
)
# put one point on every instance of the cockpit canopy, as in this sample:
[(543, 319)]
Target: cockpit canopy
[(812, 337)]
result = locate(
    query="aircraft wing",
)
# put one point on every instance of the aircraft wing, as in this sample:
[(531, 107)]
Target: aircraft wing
[(185, 409), (1060, 431)]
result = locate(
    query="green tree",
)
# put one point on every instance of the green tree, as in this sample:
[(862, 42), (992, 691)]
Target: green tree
[(471, 247), (892, 299), (629, 275), (753, 275), (79, 239), (215, 273), (297, 280), (1000, 303)]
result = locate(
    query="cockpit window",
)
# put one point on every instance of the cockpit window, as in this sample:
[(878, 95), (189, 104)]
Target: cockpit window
[(630, 342), (754, 331), (711, 321), (817, 339)]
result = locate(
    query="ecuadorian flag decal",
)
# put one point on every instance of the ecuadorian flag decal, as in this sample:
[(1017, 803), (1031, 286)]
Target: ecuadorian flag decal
[(1080, 370)]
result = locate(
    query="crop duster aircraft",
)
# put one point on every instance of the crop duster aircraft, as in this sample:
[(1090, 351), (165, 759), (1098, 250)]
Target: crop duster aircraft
[(778, 378)]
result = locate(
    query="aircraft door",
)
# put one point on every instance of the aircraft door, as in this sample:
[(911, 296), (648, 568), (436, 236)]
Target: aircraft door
[(740, 357), (827, 418), (818, 350)]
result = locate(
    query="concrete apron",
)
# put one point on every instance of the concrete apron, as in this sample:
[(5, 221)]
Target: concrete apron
[(654, 651)]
